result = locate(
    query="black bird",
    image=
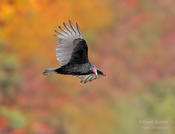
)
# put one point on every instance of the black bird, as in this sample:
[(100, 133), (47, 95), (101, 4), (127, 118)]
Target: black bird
[(72, 52)]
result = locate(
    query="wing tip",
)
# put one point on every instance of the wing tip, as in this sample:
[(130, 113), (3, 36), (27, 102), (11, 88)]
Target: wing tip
[(69, 21), (71, 29)]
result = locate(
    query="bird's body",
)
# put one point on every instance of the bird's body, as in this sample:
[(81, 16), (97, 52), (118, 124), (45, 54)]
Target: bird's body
[(72, 52), (75, 69)]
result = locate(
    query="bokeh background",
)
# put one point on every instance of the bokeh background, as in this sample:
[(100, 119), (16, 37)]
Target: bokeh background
[(132, 41)]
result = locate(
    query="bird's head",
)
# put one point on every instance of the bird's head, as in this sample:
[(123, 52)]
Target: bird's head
[(97, 71), (94, 69)]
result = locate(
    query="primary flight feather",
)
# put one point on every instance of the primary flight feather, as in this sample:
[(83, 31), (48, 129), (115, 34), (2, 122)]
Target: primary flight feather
[(72, 52)]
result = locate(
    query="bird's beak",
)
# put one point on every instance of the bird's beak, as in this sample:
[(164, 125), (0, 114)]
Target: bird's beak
[(95, 71)]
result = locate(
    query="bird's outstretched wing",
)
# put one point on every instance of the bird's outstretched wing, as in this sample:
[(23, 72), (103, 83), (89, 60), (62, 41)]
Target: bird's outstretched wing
[(72, 47)]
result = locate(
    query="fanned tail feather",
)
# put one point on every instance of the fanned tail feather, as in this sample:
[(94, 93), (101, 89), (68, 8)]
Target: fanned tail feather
[(49, 71)]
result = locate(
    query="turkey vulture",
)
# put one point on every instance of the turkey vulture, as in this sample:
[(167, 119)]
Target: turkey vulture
[(72, 52)]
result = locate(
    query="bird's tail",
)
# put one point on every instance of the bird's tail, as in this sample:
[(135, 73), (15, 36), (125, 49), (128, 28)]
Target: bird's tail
[(50, 71)]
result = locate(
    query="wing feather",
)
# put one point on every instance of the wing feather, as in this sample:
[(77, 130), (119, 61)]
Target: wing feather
[(59, 36), (71, 32), (88, 78), (65, 31), (66, 44), (63, 34), (72, 26), (79, 31)]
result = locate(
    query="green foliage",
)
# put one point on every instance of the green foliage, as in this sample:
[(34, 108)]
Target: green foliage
[(14, 117), (154, 105), (9, 71)]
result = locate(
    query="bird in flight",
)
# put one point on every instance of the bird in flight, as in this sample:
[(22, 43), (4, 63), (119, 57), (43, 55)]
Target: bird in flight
[(72, 53)]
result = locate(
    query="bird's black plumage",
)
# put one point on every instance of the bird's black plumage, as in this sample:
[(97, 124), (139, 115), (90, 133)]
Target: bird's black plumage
[(72, 52), (80, 52), (75, 69)]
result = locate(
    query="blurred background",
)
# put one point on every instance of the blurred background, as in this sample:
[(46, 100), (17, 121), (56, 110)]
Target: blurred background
[(132, 41)]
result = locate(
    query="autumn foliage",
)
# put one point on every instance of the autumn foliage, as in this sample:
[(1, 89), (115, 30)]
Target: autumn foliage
[(132, 41)]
